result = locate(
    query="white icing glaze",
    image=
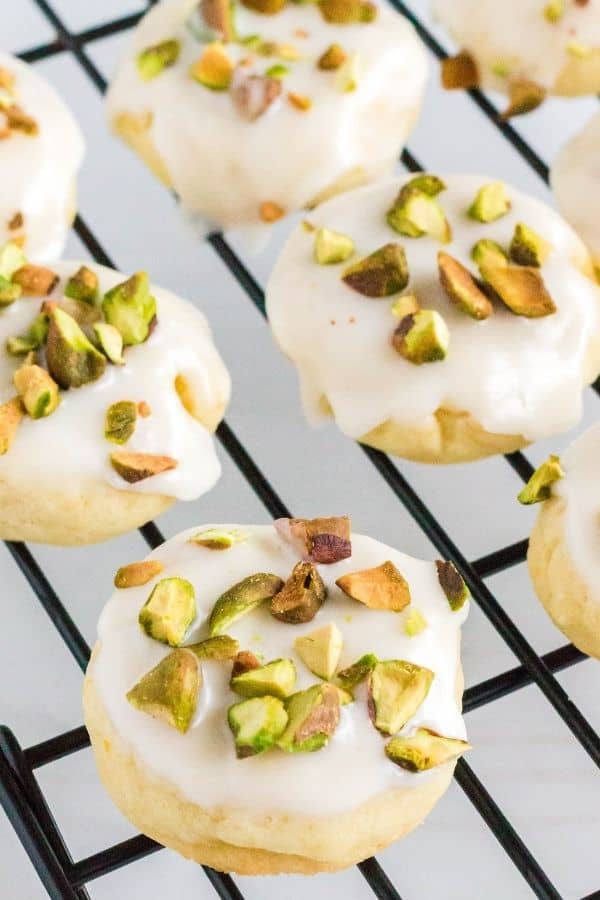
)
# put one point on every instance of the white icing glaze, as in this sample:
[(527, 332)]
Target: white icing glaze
[(202, 764), (576, 183), (181, 343), (38, 172), (515, 375), (223, 166), (517, 33)]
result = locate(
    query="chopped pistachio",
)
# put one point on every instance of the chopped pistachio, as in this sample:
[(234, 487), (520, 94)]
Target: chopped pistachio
[(324, 540), (72, 360), (301, 596), (491, 202), (313, 716), (169, 611), (219, 538), (214, 69), (18, 120), (349, 677), (414, 623), (83, 285), (579, 50), (270, 212), (252, 95), (241, 599), (488, 251), (131, 308), (299, 101), (527, 247), (460, 72), (554, 10), (12, 259), (151, 61), (332, 247), (134, 467), (320, 650), (219, 648), (111, 342), (521, 288), (462, 289), (422, 337), (9, 292), (169, 692), (218, 16), (35, 281), (275, 679), (11, 415), (405, 305), (37, 390), (332, 58), (7, 79), (19, 346), (120, 421), (539, 486), (277, 71), (382, 587), (267, 7), (396, 689), (257, 724), (381, 274), (348, 75), (423, 750), (34, 338), (347, 12), (416, 212), (524, 96), (452, 583), (244, 661), (137, 574), (84, 314)]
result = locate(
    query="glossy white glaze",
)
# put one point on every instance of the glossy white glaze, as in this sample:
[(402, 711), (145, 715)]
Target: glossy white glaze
[(514, 375), (576, 183), (39, 171), (69, 446), (202, 764), (223, 166)]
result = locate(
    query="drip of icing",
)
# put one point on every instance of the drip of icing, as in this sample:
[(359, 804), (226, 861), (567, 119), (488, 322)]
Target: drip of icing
[(39, 171), (576, 183), (202, 764), (181, 344), (514, 375), (288, 156)]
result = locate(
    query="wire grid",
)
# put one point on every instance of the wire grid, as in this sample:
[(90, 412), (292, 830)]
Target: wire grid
[(20, 794)]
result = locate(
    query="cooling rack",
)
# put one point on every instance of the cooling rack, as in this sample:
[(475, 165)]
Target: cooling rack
[(28, 808)]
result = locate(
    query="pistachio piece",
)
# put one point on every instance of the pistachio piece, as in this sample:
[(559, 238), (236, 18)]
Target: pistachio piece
[(241, 599), (425, 749), (349, 677), (218, 16), (131, 308), (18, 120), (85, 314), (301, 597), (491, 202), (218, 649), (299, 101), (332, 58), (348, 75), (252, 95), (120, 421), (153, 60), (521, 288), (137, 573), (396, 690), (110, 341), (462, 289), (422, 337), (244, 661), (35, 281), (275, 679), (313, 716), (323, 540), (527, 247), (452, 583), (169, 692), (320, 650), (539, 486), (169, 611), (257, 724), (416, 212), (579, 50), (277, 71), (37, 390), (20, 346), (332, 247), (346, 12), (267, 7), (214, 69), (134, 467), (554, 10), (404, 306), (414, 623), (382, 587), (524, 96), (72, 360), (218, 538), (345, 697), (12, 259), (83, 285), (460, 72), (381, 274), (9, 292), (486, 251), (11, 415)]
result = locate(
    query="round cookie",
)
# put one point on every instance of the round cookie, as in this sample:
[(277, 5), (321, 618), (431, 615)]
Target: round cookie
[(420, 349), (564, 543), (554, 46), (310, 787), (285, 110), (575, 178), (97, 438), (41, 150)]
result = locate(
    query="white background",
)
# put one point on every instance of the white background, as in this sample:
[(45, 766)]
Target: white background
[(539, 775)]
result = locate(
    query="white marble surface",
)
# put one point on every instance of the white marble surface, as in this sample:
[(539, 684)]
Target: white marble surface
[(526, 757)]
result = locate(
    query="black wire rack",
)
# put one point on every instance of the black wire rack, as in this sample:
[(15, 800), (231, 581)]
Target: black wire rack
[(24, 803)]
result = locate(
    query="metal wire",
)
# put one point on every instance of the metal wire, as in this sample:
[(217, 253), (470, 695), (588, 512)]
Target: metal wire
[(20, 795)]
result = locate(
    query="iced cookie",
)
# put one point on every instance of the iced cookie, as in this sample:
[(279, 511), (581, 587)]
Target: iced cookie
[(438, 320), (278, 699), (576, 183), (255, 109), (564, 548), (110, 388), (41, 149), (524, 48)]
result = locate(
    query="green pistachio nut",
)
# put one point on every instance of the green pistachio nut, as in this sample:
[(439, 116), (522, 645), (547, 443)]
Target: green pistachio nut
[(218, 649), (301, 597), (276, 679), (452, 584), (313, 716), (381, 274), (527, 247), (422, 337), (169, 692), (539, 486), (396, 689), (83, 286), (38, 391), (491, 202), (461, 288), (120, 421), (71, 358), (320, 650), (241, 599), (331, 247), (257, 724), (169, 611), (153, 60), (131, 308), (423, 750)]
